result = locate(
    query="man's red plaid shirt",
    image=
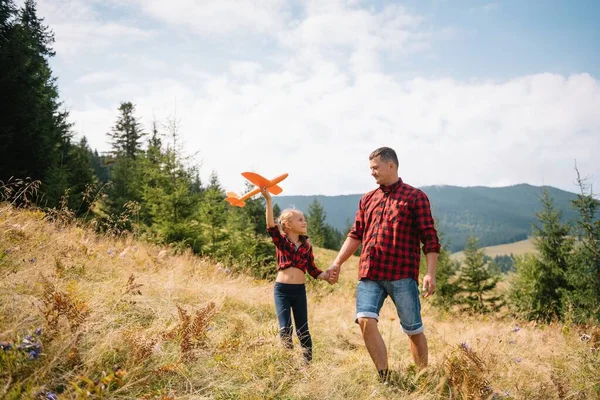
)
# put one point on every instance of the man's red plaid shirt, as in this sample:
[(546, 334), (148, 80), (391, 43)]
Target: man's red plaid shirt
[(392, 222)]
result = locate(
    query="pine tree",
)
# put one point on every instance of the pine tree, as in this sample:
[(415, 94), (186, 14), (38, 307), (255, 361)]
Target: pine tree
[(276, 211), (35, 136), (476, 282), (213, 214), (316, 223), (540, 286), (7, 13), (100, 166), (127, 133), (333, 238), (445, 277), (125, 168), (255, 213), (347, 229), (584, 272), (169, 203)]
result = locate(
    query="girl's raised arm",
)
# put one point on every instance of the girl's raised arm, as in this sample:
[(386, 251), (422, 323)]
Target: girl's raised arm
[(269, 208)]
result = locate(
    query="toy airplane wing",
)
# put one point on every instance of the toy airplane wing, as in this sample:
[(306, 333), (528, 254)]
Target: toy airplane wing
[(263, 182), (260, 182)]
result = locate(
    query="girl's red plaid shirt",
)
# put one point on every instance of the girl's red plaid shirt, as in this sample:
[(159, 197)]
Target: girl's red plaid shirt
[(288, 255)]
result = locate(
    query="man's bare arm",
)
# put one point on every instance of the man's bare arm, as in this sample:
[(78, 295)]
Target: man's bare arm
[(429, 279), (348, 248)]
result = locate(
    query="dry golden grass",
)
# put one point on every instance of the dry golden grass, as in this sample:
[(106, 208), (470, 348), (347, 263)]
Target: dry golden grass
[(125, 319), (517, 248)]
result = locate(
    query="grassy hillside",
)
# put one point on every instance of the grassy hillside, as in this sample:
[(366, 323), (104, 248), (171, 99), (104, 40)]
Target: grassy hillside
[(517, 248), (122, 319), (494, 215)]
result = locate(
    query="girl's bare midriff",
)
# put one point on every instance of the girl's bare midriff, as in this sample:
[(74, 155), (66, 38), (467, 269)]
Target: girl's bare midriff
[(290, 275)]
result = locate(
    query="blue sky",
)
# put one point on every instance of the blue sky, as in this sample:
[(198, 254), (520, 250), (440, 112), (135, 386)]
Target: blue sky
[(468, 92), (504, 39)]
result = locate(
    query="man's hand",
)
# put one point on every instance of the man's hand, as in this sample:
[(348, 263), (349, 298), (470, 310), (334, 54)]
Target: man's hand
[(334, 273), (428, 285)]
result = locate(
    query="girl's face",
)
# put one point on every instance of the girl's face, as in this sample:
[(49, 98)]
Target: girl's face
[(297, 224)]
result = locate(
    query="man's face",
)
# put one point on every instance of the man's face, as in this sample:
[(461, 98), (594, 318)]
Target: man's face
[(382, 171)]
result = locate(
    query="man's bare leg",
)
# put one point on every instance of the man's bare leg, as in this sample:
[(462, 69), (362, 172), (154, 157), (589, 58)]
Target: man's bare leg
[(374, 342), (418, 348)]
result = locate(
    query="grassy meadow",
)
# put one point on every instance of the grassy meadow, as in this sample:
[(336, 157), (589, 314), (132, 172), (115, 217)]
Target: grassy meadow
[(519, 248), (125, 319)]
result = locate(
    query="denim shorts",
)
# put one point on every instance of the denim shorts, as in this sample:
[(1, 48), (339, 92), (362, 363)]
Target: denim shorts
[(370, 296)]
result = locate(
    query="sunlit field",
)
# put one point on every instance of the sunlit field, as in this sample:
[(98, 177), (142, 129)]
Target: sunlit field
[(118, 318)]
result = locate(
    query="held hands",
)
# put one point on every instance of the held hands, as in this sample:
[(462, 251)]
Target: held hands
[(428, 285), (327, 276), (334, 273)]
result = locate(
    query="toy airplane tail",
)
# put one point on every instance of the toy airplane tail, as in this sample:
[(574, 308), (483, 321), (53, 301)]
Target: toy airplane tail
[(234, 199)]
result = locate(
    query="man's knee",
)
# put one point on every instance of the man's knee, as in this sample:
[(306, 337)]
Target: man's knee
[(366, 323)]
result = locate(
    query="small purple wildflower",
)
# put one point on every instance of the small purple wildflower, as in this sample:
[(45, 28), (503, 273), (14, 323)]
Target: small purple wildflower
[(227, 270), (51, 396), (507, 393), (517, 328), (465, 346), (109, 251), (38, 332), (30, 346), (32, 260), (518, 360)]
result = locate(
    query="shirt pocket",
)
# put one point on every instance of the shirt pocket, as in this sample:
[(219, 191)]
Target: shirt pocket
[(398, 213)]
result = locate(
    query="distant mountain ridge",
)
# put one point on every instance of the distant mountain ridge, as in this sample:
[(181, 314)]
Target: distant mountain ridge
[(496, 215)]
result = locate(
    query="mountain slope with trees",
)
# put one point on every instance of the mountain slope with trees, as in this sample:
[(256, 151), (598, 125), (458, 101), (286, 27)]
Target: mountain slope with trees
[(493, 215)]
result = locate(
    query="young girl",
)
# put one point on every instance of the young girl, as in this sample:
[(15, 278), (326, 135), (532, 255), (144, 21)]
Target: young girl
[(294, 259)]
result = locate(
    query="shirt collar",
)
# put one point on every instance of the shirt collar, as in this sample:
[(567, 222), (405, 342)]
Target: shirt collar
[(303, 239), (391, 188)]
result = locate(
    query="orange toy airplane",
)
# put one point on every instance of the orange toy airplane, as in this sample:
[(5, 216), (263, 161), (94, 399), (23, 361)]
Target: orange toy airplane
[(260, 182)]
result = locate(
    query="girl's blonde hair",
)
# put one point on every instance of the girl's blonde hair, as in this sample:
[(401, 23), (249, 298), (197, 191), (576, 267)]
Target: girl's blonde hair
[(286, 216)]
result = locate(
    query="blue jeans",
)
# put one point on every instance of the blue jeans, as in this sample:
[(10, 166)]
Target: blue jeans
[(291, 298), (370, 296)]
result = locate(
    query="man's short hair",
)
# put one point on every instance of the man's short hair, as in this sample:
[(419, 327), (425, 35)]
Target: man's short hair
[(386, 154)]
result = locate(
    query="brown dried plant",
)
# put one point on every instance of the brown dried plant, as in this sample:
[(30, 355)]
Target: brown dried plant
[(58, 303), (132, 288), (61, 215), (466, 374), (19, 192), (141, 344), (192, 332)]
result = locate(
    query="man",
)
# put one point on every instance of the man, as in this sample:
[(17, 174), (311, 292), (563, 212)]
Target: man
[(391, 222)]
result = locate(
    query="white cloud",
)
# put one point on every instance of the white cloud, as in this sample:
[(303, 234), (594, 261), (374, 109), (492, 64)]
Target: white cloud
[(98, 77), (321, 130), (208, 17), (317, 103), (245, 69), (78, 28), (335, 30)]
